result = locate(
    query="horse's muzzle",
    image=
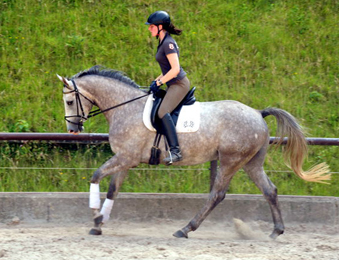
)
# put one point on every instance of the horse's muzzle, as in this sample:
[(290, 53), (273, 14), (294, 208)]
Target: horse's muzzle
[(75, 128), (74, 132)]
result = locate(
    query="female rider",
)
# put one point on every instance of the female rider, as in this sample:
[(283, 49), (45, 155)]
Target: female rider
[(172, 75)]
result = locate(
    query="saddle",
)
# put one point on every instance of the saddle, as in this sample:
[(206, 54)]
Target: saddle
[(189, 99)]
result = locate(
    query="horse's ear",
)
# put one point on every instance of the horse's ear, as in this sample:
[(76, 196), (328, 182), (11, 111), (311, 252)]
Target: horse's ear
[(67, 83)]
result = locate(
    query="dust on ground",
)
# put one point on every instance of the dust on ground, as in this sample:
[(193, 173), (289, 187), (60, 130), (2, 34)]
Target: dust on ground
[(154, 240)]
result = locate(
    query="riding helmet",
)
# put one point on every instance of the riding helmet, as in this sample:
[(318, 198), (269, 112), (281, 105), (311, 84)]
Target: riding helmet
[(159, 17)]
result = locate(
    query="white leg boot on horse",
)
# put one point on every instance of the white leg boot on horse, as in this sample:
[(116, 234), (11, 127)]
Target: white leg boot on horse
[(172, 139), (94, 203)]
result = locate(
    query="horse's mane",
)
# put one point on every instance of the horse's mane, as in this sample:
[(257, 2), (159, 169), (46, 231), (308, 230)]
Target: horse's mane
[(98, 70)]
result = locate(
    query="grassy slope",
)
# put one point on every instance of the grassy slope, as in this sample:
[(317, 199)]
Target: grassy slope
[(262, 53)]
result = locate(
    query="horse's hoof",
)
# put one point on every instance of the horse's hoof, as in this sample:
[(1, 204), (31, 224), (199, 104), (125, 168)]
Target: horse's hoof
[(95, 232), (276, 233), (180, 234)]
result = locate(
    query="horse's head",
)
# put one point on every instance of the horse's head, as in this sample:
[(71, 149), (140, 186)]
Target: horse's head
[(77, 106)]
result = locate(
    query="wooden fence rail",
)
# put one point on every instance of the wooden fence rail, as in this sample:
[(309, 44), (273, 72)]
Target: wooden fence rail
[(103, 138)]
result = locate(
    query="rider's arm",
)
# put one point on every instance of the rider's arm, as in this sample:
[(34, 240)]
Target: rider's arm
[(175, 68)]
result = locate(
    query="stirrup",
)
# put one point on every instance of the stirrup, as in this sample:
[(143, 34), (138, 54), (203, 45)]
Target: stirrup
[(171, 159)]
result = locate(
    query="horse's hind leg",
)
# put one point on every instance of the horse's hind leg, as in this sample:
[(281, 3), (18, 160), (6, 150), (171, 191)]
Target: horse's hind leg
[(217, 194), (257, 174)]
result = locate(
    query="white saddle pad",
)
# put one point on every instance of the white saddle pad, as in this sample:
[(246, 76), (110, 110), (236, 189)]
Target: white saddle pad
[(188, 121)]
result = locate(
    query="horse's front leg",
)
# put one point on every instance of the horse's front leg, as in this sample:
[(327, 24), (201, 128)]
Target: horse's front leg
[(118, 172), (101, 217)]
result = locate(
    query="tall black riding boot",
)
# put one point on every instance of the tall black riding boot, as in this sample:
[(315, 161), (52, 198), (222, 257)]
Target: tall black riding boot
[(172, 140)]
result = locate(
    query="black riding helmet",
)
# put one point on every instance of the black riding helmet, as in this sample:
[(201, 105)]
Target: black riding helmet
[(159, 17)]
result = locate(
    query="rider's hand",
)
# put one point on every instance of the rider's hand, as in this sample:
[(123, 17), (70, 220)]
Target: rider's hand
[(154, 87)]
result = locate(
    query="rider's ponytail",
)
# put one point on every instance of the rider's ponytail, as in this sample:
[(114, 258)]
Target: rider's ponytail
[(172, 29)]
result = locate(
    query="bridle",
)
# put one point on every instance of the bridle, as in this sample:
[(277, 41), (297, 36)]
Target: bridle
[(81, 113)]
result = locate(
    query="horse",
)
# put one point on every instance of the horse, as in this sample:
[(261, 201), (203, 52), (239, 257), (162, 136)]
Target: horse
[(231, 132)]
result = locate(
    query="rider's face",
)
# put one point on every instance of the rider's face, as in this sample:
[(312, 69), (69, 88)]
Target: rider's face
[(153, 29)]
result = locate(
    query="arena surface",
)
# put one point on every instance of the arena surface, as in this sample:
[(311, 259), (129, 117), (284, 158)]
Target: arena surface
[(55, 226), (154, 240)]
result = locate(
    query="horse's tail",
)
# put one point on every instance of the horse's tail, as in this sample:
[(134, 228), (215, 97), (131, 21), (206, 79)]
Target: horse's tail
[(296, 147)]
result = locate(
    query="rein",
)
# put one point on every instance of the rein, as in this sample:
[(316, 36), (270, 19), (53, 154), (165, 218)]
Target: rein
[(92, 113), (99, 111)]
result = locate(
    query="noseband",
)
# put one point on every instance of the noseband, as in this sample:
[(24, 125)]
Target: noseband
[(80, 110), (83, 116)]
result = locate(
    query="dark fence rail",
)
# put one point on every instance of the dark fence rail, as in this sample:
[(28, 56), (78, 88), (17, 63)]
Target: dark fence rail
[(54, 137), (103, 138)]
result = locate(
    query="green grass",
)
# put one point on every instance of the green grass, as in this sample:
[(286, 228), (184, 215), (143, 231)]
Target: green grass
[(259, 52), (63, 168)]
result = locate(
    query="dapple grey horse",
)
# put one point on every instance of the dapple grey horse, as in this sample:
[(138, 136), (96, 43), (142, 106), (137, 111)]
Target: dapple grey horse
[(231, 132)]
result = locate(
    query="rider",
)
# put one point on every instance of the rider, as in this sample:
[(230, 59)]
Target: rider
[(172, 75)]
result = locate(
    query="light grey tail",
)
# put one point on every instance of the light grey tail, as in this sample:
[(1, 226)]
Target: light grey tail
[(296, 148)]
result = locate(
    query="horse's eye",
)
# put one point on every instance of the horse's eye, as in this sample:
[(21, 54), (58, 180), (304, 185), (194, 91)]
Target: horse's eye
[(69, 103)]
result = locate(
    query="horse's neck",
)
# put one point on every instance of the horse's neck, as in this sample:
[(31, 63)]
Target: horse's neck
[(108, 93)]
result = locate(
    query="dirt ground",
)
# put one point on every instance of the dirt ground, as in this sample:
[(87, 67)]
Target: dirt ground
[(154, 240)]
